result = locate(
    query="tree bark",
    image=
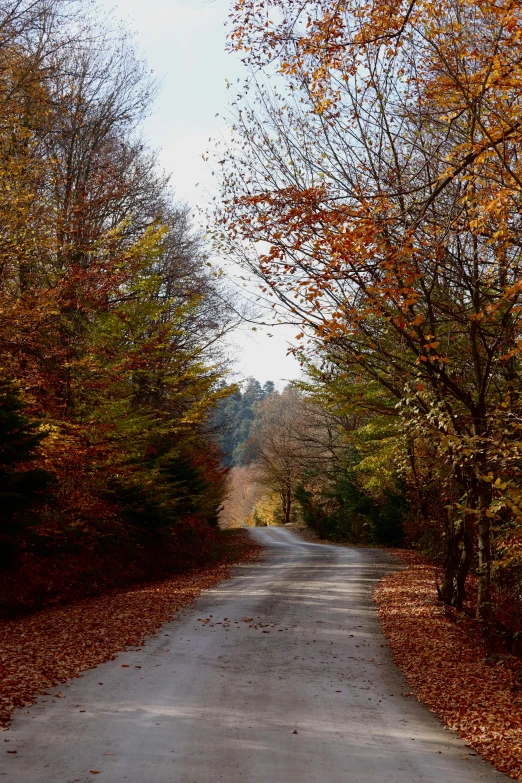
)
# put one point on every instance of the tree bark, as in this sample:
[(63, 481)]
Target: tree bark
[(286, 496), (484, 494), (464, 565), (457, 563), (452, 558)]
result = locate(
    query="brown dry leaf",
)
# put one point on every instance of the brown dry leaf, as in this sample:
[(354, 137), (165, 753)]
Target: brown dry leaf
[(49, 647), (445, 663)]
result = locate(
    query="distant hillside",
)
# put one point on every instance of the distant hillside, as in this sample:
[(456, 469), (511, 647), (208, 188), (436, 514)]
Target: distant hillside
[(234, 419)]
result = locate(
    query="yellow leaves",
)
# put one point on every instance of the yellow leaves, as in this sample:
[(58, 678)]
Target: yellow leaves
[(401, 263)]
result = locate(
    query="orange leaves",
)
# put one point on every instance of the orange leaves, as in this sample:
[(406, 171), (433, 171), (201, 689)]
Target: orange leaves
[(445, 662), (405, 263), (54, 645)]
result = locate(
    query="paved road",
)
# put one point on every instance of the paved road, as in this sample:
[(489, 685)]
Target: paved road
[(280, 675)]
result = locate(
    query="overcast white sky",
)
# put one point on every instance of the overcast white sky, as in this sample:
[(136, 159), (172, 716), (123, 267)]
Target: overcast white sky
[(183, 42)]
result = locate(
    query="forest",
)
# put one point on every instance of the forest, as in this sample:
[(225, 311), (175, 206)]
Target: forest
[(367, 194), (295, 460), (111, 322), (384, 183), (373, 187)]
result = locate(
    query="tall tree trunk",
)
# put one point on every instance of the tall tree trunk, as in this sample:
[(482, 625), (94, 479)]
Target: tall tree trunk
[(464, 565), (484, 494), (287, 506), (458, 557), (452, 558), (449, 571)]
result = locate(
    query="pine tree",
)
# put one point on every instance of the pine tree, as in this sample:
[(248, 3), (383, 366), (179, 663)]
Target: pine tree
[(18, 436), (234, 419), (20, 489)]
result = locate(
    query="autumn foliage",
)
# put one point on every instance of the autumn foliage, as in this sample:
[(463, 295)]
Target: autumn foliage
[(110, 320), (374, 186)]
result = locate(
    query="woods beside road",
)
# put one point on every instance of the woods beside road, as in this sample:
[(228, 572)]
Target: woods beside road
[(111, 322), (373, 187), (398, 260), (369, 187)]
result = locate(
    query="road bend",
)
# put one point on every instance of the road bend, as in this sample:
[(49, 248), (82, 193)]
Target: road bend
[(278, 675)]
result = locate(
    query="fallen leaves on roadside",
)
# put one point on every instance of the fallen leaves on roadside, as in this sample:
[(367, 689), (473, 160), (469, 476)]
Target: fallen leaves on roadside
[(53, 645), (446, 665)]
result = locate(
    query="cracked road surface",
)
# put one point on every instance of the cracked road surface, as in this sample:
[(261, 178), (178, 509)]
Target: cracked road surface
[(279, 675)]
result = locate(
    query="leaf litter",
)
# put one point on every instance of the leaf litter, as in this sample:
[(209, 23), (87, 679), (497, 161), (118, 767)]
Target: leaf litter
[(446, 665), (53, 645)]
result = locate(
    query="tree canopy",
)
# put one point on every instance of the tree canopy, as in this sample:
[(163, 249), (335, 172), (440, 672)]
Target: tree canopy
[(373, 185), (111, 319)]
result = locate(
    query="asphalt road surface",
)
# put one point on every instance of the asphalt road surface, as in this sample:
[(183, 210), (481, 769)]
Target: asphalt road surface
[(280, 675)]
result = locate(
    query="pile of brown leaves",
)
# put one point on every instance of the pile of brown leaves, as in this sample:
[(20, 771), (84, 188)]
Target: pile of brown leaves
[(444, 660), (409, 556), (53, 645)]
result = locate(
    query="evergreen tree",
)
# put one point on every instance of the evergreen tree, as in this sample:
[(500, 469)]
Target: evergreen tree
[(18, 436), (234, 419), (20, 488)]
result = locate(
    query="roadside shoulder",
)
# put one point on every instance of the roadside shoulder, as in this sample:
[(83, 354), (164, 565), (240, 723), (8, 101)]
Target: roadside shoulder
[(39, 651), (444, 659)]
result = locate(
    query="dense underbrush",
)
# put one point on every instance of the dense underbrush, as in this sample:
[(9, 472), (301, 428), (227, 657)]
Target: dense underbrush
[(67, 573)]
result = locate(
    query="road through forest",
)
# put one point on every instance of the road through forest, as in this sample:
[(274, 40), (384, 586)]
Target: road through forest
[(279, 675)]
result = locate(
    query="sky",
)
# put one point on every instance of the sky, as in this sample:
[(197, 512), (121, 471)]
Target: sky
[(183, 42)]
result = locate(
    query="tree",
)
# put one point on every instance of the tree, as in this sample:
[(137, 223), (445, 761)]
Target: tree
[(351, 488), (233, 420), (244, 491), (385, 182), (20, 486), (19, 437), (273, 447), (111, 320)]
